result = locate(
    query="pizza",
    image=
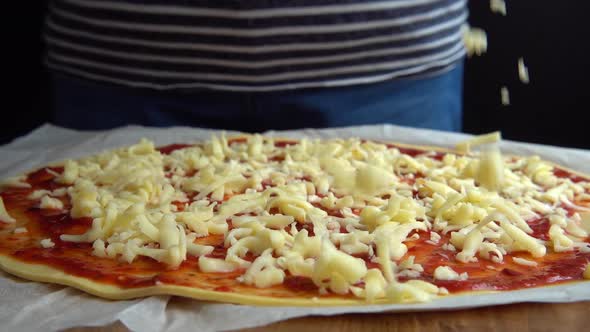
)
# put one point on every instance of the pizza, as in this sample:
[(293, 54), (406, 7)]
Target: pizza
[(270, 221)]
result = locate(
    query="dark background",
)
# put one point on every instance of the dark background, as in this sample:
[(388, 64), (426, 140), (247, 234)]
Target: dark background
[(552, 37)]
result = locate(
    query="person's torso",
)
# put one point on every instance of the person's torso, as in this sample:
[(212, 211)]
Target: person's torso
[(253, 45)]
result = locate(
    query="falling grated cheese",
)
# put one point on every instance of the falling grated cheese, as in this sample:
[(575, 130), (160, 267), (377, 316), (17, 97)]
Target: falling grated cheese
[(523, 71), (465, 146), (498, 6), (475, 40), (505, 96), (490, 173)]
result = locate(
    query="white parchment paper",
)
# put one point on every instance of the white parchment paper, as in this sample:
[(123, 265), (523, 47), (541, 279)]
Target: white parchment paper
[(30, 306)]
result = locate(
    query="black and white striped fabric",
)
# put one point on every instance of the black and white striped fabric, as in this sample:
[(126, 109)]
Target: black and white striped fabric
[(252, 45)]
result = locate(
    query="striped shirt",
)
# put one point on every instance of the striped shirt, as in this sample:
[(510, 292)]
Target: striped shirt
[(252, 45)]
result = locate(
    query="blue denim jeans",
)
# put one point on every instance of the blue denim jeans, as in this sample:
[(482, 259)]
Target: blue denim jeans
[(433, 101)]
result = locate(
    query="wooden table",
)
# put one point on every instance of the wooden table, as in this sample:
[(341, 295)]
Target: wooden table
[(515, 317)]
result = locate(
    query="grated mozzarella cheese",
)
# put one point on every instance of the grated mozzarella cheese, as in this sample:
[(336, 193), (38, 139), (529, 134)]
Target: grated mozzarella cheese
[(20, 230), (524, 262), (15, 182), (523, 71), (475, 40), (447, 273), (47, 243), (48, 202), (505, 96), (4, 216), (498, 6), (308, 209)]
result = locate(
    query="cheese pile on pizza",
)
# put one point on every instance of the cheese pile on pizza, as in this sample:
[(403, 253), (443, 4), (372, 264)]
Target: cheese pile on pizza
[(260, 220)]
